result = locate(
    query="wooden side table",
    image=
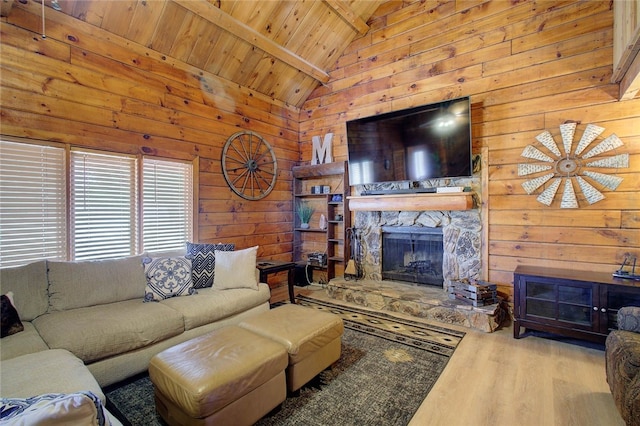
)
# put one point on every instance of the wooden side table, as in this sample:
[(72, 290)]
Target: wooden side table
[(267, 267)]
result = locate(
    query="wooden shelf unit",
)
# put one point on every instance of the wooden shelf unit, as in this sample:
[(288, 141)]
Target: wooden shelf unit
[(332, 240)]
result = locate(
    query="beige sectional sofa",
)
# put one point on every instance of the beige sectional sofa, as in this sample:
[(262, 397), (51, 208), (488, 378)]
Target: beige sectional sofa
[(95, 311)]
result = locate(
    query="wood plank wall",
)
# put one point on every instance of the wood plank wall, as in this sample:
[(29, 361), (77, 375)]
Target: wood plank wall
[(528, 66), (84, 86)]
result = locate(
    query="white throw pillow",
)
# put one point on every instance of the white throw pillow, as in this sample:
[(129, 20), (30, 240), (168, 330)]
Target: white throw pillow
[(236, 269)]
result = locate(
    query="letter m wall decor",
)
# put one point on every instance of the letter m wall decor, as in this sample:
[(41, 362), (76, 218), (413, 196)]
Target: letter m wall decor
[(322, 150)]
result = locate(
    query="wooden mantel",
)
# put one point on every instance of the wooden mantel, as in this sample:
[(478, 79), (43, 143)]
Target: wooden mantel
[(412, 202)]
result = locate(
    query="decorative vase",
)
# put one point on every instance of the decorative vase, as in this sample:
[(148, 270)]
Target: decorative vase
[(304, 225), (323, 222)]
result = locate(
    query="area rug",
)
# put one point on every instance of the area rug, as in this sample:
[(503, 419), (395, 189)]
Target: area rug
[(385, 371)]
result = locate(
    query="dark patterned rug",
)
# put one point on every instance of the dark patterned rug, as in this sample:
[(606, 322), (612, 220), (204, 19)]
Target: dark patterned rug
[(385, 371)]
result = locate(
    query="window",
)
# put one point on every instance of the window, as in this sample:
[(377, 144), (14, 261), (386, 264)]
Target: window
[(117, 204), (33, 211), (167, 204), (104, 205)]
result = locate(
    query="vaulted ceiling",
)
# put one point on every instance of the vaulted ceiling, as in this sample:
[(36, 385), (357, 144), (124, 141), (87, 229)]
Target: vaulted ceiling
[(283, 49)]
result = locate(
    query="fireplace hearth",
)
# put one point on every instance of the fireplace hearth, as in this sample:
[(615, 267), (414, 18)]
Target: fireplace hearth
[(412, 254)]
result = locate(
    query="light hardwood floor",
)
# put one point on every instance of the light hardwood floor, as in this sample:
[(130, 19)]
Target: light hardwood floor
[(494, 379)]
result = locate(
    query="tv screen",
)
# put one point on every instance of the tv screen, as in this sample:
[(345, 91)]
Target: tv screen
[(427, 142)]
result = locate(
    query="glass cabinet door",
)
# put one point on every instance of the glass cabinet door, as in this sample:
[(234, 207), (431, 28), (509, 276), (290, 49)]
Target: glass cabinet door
[(540, 300), (612, 299), (575, 304), (559, 302)]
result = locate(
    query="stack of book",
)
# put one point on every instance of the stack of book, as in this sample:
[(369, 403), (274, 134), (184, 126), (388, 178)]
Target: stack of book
[(478, 293)]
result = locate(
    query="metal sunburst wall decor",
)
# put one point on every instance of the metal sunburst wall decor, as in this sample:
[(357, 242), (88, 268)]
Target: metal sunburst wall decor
[(572, 170)]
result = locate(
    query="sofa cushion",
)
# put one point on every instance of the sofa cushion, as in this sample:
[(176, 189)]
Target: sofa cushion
[(25, 342), (211, 304), (79, 408), (29, 286), (236, 269), (167, 277), (102, 331), (55, 370), (87, 283), (11, 323), (203, 261)]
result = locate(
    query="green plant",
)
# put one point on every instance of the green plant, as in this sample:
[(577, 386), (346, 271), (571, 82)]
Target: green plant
[(304, 211)]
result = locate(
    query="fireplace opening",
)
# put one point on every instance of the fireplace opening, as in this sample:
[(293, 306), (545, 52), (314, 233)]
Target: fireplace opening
[(412, 254)]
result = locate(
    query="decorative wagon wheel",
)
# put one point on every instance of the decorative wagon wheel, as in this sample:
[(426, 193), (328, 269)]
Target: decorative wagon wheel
[(572, 166), (249, 165)]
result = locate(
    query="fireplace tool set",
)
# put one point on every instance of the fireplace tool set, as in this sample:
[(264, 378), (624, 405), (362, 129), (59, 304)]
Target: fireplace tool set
[(353, 270)]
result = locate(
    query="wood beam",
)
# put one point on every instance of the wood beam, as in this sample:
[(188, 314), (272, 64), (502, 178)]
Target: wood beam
[(416, 202), (346, 13), (630, 83), (626, 47), (217, 17)]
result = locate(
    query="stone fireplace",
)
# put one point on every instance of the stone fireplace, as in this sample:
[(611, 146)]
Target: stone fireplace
[(461, 243), (453, 217), (412, 254)]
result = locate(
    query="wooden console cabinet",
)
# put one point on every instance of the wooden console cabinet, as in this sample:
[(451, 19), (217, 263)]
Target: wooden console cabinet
[(578, 304)]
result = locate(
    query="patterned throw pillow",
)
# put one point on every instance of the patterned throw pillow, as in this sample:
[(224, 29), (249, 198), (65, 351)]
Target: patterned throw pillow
[(11, 323), (167, 277), (203, 262)]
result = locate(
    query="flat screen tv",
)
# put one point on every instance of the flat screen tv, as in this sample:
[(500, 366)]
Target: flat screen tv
[(427, 142)]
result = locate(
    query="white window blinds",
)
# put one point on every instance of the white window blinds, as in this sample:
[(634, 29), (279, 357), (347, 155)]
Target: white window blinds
[(32, 200), (104, 205), (167, 204), (96, 205)]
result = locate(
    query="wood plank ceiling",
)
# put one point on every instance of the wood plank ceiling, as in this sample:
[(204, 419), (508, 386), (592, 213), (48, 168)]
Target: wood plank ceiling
[(282, 49)]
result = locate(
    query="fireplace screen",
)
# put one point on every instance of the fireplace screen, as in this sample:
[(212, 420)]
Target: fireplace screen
[(412, 254)]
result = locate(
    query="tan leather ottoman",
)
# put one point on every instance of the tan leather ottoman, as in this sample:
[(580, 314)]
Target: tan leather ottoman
[(312, 338), (229, 376)]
